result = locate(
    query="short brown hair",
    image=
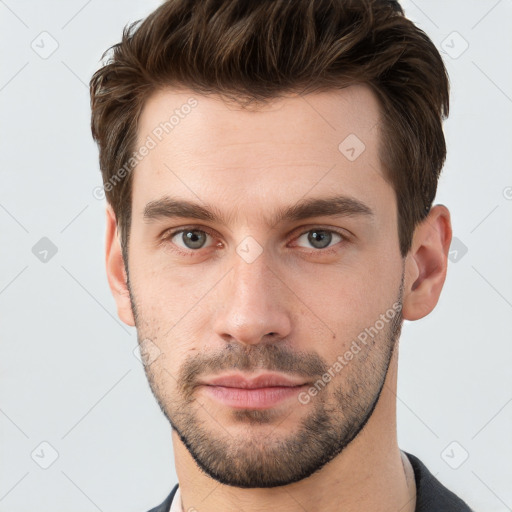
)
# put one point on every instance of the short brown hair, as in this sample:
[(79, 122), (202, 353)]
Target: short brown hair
[(255, 51)]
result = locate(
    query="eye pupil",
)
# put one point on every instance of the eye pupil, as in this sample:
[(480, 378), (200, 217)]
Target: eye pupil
[(319, 239), (194, 239)]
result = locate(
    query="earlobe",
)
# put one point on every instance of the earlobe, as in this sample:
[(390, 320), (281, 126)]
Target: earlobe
[(427, 263), (116, 272)]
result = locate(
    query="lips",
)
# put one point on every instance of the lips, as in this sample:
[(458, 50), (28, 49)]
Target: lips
[(242, 391)]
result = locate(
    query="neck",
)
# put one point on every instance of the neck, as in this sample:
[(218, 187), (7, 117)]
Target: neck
[(370, 474)]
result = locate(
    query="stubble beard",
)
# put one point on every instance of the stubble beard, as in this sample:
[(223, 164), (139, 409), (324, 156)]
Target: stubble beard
[(257, 456)]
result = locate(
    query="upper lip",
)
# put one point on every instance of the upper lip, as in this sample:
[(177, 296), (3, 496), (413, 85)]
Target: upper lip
[(238, 380)]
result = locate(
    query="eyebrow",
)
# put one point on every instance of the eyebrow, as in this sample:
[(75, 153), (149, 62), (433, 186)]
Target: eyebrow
[(337, 206)]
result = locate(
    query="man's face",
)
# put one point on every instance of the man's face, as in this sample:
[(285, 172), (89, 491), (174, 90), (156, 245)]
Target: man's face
[(262, 285)]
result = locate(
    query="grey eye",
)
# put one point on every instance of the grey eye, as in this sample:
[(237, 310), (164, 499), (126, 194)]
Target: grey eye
[(192, 238), (320, 238)]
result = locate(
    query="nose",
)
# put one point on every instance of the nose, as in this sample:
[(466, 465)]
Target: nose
[(253, 305)]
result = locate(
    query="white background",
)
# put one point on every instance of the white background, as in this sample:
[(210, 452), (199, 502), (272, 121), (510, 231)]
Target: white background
[(68, 373)]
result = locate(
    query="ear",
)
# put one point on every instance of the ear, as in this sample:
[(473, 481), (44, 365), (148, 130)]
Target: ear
[(426, 264), (116, 272)]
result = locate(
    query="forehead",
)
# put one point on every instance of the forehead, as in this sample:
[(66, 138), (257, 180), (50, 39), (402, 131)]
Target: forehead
[(206, 147)]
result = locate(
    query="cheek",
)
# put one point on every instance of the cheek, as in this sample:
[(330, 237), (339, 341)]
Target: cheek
[(166, 296), (164, 370), (338, 303)]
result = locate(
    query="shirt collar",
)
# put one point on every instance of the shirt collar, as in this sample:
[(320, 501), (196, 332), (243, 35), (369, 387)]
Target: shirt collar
[(176, 502)]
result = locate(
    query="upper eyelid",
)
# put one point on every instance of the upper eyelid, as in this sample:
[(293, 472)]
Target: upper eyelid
[(338, 231), (300, 230)]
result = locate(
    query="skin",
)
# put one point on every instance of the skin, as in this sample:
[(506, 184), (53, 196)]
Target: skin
[(294, 308)]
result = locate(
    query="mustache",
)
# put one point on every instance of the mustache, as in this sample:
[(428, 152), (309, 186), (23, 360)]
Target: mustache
[(238, 357)]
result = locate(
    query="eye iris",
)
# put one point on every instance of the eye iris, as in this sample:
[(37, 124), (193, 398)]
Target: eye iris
[(194, 239), (319, 239)]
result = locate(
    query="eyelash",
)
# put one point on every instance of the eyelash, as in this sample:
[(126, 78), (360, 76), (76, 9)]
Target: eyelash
[(169, 235)]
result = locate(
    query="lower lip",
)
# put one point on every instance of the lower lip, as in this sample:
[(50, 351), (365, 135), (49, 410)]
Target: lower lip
[(258, 398)]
